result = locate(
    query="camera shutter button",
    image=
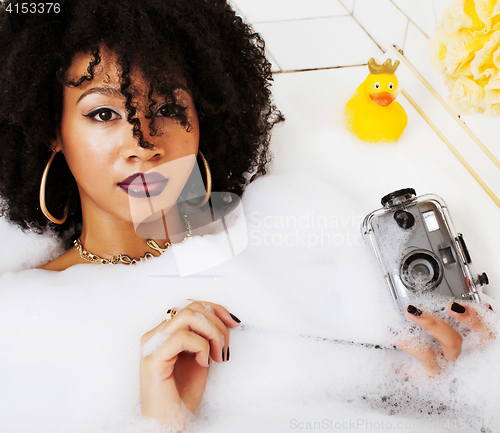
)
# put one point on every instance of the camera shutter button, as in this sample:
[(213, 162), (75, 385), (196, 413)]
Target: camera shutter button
[(404, 219)]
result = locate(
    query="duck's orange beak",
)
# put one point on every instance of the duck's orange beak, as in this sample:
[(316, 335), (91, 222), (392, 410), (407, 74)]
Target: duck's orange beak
[(382, 98)]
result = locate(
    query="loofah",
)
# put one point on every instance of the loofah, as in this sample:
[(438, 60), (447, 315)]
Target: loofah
[(466, 51)]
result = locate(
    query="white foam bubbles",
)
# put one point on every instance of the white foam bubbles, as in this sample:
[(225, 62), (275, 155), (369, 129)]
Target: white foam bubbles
[(25, 250), (312, 319)]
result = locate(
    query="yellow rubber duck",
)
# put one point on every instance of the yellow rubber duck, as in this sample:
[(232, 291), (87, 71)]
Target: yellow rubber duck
[(372, 114)]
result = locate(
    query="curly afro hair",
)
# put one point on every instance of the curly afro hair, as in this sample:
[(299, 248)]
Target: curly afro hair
[(201, 42)]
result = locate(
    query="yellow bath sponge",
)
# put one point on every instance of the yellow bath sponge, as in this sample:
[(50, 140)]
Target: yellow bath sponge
[(466, 51)]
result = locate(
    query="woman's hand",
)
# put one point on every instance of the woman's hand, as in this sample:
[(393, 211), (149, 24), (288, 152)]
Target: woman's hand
[(449, 339), (176, 357)]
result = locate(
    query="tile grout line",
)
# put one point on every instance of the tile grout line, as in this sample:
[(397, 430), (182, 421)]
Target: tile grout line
[(434, 11), (406, 34), (290, 71), (273, 59), (410, 20), (240, 13), (358, 23), (345, 7), (370, 36), (302, 19)]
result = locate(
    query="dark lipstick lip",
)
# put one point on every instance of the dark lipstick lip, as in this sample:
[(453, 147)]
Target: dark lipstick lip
[(147, 177), (153, 184)]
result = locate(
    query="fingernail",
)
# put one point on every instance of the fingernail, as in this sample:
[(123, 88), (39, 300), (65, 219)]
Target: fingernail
[(235, 318), (228, 353), (208, 363), (490, 308), (457, 308), (413, 310), (223, 359)]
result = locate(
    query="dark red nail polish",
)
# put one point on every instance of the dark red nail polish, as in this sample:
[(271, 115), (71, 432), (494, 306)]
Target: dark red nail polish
[(413, 310), (223, 359), (457, 308), (490, 308), (228, 353)]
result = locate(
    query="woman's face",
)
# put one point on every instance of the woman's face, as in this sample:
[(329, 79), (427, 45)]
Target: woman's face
[(116, 178)]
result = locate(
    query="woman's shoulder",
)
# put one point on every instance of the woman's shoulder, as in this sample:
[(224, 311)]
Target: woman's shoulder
[(68, 259)]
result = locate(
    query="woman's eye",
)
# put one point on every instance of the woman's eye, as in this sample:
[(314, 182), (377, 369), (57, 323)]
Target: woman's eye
[(171, 110), (102, 115)]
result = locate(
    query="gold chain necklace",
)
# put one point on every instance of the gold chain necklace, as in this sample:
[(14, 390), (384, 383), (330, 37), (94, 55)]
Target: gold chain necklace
[(127, 260)]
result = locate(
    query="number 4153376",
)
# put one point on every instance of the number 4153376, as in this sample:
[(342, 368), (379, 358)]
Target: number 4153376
[(33, 8)]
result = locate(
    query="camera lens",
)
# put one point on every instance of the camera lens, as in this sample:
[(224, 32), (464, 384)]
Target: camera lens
[(421, 270)]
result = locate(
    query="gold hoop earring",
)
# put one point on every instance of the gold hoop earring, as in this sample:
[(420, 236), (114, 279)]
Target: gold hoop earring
[(43, 184), (209, 184)]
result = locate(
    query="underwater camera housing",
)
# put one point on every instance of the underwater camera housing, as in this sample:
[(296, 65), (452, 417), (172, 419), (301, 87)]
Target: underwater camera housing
[(419, 250)]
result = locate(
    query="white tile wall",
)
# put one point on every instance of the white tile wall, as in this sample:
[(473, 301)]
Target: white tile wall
[(348, 4), (259, 11), (382, 20), (415, 50), (421, 12), (322, 34), (487, 129), (318, 43), (275, 67)]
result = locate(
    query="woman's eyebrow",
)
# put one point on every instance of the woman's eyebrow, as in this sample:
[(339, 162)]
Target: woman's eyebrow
[(110, 91), (174, 87)]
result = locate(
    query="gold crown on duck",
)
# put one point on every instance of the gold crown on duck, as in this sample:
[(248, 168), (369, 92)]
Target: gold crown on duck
[(386, 68)]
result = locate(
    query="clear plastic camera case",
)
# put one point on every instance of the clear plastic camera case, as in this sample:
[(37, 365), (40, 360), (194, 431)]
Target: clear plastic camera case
[(418, 249)]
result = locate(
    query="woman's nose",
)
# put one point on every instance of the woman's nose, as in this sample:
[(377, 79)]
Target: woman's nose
[(140, 148)]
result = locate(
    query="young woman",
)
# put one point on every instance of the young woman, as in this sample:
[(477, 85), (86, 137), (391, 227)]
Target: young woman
[(106, 106)]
